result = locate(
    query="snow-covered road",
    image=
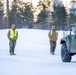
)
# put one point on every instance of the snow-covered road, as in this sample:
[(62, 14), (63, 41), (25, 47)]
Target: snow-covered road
[(33, 55)]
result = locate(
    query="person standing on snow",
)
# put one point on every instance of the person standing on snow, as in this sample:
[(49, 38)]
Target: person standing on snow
[(53, 36), (12, 36)]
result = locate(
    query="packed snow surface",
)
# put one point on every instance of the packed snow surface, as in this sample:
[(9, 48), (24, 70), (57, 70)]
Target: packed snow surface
[(33, 55)]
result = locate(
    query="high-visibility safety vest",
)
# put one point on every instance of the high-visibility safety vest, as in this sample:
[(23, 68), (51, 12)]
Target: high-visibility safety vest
[(13, 33), (51, 32)]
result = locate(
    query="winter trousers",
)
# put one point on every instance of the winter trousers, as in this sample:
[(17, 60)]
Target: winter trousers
[(12, 44), (52, 46)]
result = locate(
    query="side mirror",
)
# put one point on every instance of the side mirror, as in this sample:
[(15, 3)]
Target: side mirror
[(69, 36), (70, 29)]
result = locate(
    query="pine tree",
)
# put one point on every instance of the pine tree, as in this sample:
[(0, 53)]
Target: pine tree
[(42, 16), (1, 13), (21, 14), (60, 16), (72, 18), (13, 13), (27, 15)]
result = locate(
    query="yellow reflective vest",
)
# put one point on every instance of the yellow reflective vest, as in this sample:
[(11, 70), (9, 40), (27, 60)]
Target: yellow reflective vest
[(51, 32), (13, 33)]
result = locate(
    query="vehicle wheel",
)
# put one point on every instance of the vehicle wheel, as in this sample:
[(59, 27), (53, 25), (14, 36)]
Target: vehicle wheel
[(65, 55)]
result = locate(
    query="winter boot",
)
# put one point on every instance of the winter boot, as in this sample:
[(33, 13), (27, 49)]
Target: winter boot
[(12, 53), (52, 52)]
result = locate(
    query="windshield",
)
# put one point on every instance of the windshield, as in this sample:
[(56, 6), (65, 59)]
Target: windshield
[(66, 33), (73, 30)]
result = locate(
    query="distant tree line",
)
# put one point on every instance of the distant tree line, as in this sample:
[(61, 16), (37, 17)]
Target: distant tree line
[(1, 13), (22, 15)]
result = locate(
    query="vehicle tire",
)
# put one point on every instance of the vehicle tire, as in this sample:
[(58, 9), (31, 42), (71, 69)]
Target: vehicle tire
[(65, 55)]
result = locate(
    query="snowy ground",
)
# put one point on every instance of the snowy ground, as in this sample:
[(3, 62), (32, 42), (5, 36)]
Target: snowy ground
[(33, 55)]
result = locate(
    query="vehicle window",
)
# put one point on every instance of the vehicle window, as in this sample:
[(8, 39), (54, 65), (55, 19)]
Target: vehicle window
[(66, 33), (73, 32)]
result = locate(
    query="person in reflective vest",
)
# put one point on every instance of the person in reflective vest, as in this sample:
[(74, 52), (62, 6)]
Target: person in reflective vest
[(53, 36), (12, 36)]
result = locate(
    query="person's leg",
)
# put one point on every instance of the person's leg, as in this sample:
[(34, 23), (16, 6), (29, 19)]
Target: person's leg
[(11, 46), (51, 47), (14, 44), (54, 46)]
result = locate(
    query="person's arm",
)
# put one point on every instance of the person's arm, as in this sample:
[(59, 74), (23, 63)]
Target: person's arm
[(17, 35), (57, 34), (49, 34), (8, 34)]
